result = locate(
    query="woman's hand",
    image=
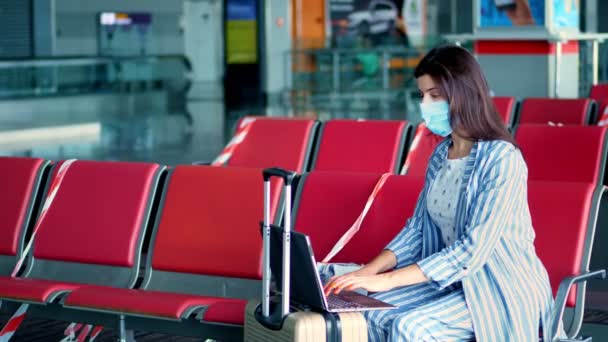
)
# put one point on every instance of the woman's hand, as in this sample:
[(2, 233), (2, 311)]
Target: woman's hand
[(355, 280), (371, 282)]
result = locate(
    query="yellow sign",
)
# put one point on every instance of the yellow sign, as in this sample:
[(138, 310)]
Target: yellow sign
[(241, 41)]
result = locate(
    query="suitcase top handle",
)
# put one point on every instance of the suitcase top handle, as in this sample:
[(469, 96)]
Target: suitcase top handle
[(287, 176)]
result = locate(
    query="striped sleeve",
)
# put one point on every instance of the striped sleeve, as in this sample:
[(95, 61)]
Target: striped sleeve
[(502, 187), (407, 245)]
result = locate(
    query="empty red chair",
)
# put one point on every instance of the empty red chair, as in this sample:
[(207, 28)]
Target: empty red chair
[(557, 111), (564, 216), (205, 257), (564, 154), (21, 182), (328, 203), (92, 233), (506, 107), (421, 149), (274, 142), (361, 146)]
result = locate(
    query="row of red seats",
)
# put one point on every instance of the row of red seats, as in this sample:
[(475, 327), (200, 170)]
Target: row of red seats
[(558, 153), (201, 225), (582, 111), (336, 145)]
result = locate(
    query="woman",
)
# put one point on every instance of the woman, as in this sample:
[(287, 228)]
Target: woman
[(464, 267)]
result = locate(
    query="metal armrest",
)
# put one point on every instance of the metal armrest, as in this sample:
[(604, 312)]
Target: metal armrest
[(201, 163), (562, 293)]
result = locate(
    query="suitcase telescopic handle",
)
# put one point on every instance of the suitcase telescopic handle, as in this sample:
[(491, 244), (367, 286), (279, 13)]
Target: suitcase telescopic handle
[(288, 177)]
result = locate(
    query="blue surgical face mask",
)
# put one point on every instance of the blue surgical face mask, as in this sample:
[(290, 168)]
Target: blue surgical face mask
[(436, 116)]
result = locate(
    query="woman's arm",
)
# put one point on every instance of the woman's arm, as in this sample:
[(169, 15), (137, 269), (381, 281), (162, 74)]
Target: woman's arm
[(403, 250), (385, 261)]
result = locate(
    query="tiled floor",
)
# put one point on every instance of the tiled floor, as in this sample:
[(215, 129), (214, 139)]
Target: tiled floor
[(35, 330)]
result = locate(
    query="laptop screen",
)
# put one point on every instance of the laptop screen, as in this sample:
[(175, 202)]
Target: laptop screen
[(305, 283)]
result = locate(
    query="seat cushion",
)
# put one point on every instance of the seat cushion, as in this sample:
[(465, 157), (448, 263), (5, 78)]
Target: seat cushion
[(226, 311), (148, 303), (33, 290)]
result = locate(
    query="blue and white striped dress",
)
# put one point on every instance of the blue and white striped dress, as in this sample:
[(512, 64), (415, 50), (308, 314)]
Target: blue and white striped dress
[(488, 285)]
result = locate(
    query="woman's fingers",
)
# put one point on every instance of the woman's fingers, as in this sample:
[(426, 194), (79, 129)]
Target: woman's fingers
[(336, 283), (345, 284)]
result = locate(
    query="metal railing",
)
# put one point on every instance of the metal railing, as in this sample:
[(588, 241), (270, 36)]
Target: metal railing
[(78, 75)]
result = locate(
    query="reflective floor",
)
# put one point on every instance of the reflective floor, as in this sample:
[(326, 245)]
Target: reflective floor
[(163, 139)]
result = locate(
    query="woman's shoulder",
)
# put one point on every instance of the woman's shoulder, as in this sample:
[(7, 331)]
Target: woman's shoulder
[(497, 152), (495, 148)]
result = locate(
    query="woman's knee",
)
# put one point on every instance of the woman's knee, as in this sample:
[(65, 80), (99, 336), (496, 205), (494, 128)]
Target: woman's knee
[(374, 317), (409, 327)]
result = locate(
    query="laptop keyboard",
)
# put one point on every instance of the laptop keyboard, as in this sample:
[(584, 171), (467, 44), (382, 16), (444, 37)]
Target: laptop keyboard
[(339, 302)]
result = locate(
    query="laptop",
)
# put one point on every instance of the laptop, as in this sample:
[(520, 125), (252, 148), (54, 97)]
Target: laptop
[(306, 287)]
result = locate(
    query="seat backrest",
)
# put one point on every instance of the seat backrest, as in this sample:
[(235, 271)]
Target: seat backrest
[(566, 154), (558, 111), (361, 146), (505, 106), (599, 93), (207, 240), (93, 231), (21, 183), (421, 149), (328, 203), (564, 216), (275, 142)]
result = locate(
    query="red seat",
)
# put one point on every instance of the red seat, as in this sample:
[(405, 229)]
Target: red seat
[(32, 290), (323, 194), (21, 182), (421, 149), (154, 303), (506, 106), (206, 250), (567, 154), (161, 304), (564, 216), (94, 225), (560, 216), (228, 212), (227, 311), (558, 111), (276, 142), (361, 146)]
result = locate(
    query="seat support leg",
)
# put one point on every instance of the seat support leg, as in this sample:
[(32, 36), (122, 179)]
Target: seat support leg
[(124, 335)]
